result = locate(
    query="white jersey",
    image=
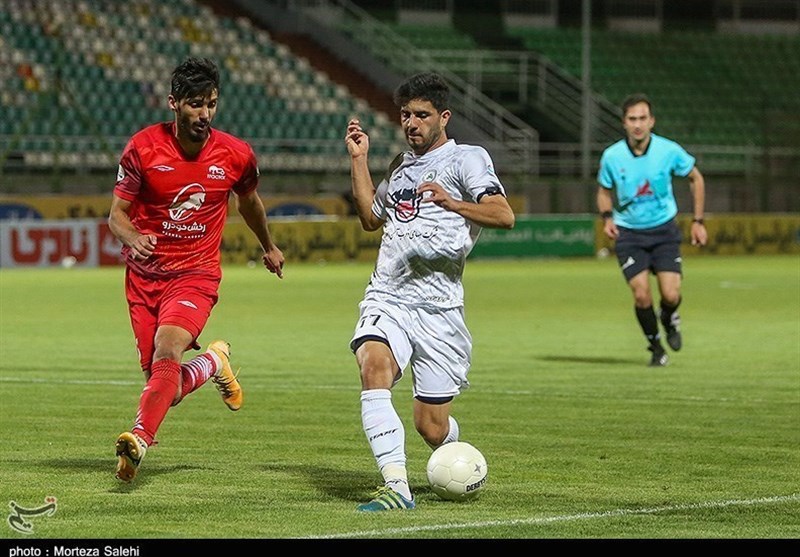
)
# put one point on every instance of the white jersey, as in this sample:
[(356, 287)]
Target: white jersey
[(424, 247)]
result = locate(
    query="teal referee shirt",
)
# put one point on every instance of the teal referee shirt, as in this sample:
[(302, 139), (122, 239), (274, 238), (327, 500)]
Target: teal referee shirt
[(642, 185)]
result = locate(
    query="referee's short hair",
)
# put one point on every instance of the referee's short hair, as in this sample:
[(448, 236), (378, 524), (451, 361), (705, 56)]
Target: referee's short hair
[(634, 99)]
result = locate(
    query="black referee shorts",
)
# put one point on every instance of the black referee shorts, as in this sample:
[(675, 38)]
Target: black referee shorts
[(657, 249)]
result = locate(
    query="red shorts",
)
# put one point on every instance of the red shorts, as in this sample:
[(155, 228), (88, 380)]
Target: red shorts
[(183, 301)]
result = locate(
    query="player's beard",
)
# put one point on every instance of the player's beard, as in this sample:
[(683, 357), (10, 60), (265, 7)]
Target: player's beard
[(427, 141), (190, 132)]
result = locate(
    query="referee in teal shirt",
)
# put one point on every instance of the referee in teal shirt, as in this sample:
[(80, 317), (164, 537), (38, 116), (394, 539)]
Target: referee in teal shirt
[(638, 207)]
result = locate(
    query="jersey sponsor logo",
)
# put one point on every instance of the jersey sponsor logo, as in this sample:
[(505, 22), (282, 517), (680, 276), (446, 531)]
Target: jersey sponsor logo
[(195, 227), (644, 189), (406, 204), (215, 173), (186, 202)]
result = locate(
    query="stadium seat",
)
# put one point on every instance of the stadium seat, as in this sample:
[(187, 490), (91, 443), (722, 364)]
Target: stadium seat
[(98, 55), (698, 81)]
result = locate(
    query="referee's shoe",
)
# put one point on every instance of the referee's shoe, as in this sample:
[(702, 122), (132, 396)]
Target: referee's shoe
[(659, 357), (672, 328)]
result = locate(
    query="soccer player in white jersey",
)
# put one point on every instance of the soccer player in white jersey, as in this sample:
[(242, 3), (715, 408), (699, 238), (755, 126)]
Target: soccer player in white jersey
[(432, 204)]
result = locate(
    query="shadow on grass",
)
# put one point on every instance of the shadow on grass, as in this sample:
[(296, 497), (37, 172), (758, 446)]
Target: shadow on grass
[(591, 360), (107, 467), (341, 484), (146, 476)]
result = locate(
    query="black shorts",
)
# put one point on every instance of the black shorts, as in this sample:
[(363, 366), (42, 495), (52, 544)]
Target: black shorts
[(657, 249)]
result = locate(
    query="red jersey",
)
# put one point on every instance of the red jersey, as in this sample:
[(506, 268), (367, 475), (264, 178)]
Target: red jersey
[(182, 200)]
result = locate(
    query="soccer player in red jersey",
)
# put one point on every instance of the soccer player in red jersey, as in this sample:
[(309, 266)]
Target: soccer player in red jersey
[(168, 209)]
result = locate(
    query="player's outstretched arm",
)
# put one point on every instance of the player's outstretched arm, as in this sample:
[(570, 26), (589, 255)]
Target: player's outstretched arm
[(252, 210)]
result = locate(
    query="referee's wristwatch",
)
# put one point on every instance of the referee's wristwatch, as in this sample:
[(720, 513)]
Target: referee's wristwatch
[(698, 220)]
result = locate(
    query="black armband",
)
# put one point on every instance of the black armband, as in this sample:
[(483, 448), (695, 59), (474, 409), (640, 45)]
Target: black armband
[(490, 191)]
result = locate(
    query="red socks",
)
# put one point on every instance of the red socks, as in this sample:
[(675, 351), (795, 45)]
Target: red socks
[(156, 398), (196, 372)]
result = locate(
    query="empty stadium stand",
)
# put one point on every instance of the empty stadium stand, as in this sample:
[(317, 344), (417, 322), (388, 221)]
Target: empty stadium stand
[(708, 88), (78, 77)]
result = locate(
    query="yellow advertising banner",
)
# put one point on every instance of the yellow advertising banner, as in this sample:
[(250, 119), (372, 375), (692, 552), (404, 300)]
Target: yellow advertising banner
[(321, 227), (735, 234), (311, 241)]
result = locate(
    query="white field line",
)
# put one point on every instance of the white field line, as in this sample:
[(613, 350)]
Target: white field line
[(534, 521), (254, 383)]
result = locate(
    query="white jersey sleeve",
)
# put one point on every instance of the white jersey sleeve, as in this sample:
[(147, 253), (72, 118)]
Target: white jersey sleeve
[(477, 174)]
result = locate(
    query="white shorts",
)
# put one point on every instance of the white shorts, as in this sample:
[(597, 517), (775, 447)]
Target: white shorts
[(436, 343)]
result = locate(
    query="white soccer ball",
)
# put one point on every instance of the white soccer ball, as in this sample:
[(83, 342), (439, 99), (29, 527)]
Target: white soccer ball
[(69, 261), (457, 471)]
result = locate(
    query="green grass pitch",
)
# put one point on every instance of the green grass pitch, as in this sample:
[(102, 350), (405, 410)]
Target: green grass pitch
[(582, 439)]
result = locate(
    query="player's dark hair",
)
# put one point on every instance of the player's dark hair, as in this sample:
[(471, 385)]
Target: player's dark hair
[(636, 98), (425, 86), (194, 77)]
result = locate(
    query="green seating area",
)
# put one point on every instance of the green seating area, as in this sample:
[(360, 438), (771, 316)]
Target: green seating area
[(708, 89), (435, 37), (392, 43), (77, 78)]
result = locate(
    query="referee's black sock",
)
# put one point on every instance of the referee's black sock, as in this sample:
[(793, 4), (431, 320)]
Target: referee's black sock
[(667, 311), (649, 323)]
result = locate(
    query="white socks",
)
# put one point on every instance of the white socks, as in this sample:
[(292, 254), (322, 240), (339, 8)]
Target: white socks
[(395, 477), (382, 425), (386, 437), (452, 435)]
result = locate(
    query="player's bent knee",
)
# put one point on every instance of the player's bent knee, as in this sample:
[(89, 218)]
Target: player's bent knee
[(432, 436)]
